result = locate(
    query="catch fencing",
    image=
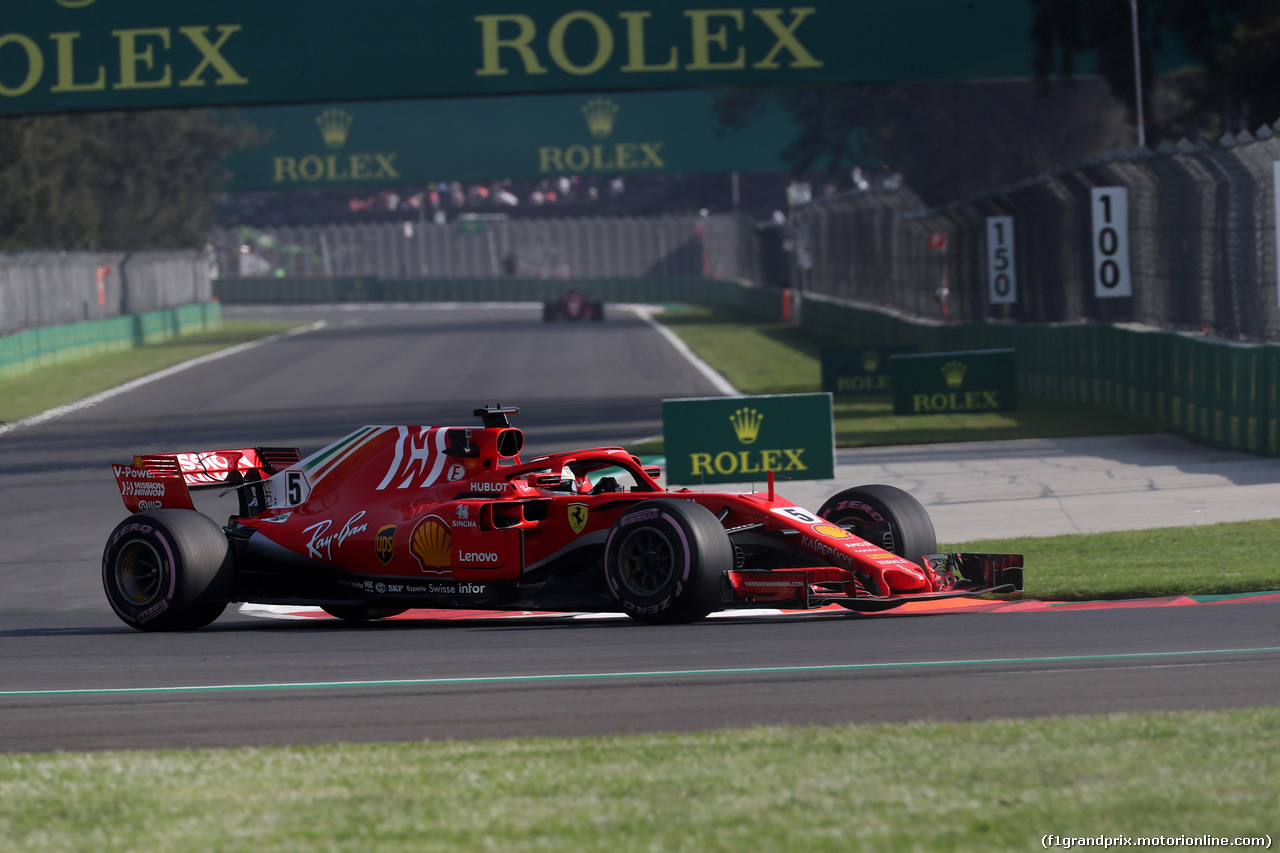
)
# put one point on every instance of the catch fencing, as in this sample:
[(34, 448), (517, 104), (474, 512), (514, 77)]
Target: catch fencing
[(1201, 230), (44, 289), (491, 246)]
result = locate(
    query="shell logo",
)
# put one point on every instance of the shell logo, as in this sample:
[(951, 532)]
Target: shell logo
[(432, 544), (831, 530)]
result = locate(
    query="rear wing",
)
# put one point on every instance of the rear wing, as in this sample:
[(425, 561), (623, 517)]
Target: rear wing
[(165, 480)]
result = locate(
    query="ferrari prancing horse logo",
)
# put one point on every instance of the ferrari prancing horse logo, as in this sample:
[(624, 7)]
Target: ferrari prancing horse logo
[(578, 516)]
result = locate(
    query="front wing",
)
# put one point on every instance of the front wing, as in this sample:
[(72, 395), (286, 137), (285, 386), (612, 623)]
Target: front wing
[(958, 575)]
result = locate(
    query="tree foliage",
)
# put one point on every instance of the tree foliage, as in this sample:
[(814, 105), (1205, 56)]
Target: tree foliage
[(113, 180), (952, 139), (1234, 45), (947, 139)]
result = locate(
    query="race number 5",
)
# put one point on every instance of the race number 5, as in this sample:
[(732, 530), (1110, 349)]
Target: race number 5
[(798, 513), (1111, 242), (1002, 283), (297, 489)]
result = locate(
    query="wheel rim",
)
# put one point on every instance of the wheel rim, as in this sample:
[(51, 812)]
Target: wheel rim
[(647, 561), (858, 521), (139, 574)]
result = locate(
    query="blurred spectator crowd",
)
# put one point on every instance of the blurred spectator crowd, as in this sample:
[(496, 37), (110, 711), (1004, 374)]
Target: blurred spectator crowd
[(759, 195), (457, 196)]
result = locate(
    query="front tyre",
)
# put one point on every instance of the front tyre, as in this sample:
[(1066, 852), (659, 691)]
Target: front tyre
[(167, 570), (886, 516), (664, 561)]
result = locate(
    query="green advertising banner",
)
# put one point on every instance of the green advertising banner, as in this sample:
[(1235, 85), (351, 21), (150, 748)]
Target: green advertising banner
[(859, 370), (951, 382), (61, 55), (741, 439), (482, 139)]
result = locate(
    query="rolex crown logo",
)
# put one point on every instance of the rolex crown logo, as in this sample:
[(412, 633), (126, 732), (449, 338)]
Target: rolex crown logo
[(870, 361), (600, 114), (953, 372), (334, 124), (746, 425)]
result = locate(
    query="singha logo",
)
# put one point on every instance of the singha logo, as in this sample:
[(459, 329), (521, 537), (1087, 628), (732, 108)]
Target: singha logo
[(953, 372), (600, 114), (334, 124), (746, 425)]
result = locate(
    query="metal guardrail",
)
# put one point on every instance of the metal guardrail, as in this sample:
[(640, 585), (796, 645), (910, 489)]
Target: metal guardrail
[(43, 289), (1201, 227), (26, 351), (491, 246)]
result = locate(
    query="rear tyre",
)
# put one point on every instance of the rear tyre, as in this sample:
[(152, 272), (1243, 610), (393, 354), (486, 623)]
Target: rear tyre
[(167, 570), (550, 312), (664, 561), (886, 516), (361, 612)]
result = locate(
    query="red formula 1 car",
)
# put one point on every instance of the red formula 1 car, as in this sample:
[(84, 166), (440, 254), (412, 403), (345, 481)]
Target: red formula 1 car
[(572, 305), (397, 517)]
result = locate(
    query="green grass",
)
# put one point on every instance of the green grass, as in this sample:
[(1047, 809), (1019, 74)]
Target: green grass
[(773, 358), (998, 785), (59, 384), (1212, 559), (777, 358)]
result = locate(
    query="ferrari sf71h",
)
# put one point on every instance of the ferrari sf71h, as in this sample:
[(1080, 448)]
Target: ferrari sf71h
[(391, 518), (572, 305)]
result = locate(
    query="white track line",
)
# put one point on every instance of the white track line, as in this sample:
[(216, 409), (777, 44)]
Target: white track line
[(87, 402), (304, 612), (645, 312)]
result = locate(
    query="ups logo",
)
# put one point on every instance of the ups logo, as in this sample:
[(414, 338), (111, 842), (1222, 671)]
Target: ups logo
[(384, 544)]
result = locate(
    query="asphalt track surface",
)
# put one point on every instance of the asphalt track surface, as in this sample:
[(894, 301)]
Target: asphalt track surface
[(72, 677)]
